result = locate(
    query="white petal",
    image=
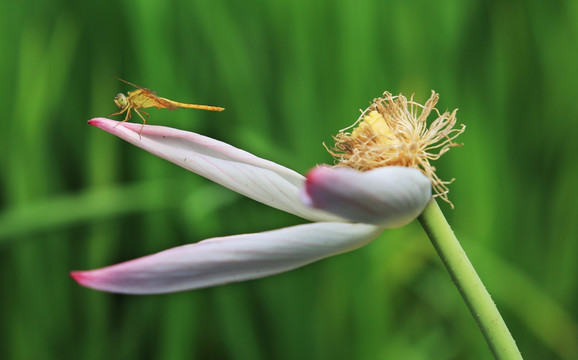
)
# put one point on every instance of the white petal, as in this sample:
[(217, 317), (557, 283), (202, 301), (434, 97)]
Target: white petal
[(389, 196), (238, 170), (228, 259)]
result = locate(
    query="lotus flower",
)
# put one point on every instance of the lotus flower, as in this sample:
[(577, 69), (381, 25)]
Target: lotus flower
[(347, 209), (383, 179)]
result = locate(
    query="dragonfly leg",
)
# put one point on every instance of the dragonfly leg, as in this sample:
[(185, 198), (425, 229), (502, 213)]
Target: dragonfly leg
[(140, 112), (144, 121), (126, 118), (119, 112)]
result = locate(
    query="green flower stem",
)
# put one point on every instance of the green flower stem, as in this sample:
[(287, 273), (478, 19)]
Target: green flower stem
[(469, 284)]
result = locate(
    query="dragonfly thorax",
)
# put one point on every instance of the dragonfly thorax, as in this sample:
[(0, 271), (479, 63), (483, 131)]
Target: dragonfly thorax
[(121, 101)]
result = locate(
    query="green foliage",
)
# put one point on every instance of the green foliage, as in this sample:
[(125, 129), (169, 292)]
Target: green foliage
[(290, 74)]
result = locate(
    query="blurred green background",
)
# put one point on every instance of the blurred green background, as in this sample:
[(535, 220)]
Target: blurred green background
[(291, 74)]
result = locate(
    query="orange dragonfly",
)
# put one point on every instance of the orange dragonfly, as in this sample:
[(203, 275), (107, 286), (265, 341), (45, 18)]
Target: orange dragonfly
[(143, 98)]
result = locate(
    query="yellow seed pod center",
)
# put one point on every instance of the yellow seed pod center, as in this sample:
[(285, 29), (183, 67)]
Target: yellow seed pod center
[(375, 124), (393, 131)]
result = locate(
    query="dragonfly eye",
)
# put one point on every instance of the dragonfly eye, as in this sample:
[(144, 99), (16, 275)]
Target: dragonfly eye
[(120, 101)]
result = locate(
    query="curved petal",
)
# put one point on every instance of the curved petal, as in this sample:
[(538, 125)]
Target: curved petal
[(389, 196), (238, 170), (228, 259)]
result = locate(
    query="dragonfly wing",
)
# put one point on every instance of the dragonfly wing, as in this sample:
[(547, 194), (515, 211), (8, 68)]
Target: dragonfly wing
[(126, 82), (166, 104), (145, 98), (158, 102)]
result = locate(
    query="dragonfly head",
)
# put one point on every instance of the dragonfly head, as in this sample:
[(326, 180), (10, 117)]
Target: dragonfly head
[(121, 101)]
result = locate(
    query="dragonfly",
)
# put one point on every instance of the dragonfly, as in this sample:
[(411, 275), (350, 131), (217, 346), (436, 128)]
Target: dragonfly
[(143, 98)]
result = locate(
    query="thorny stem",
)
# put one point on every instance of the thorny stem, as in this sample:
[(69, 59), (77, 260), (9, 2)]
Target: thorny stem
[(468, 282)]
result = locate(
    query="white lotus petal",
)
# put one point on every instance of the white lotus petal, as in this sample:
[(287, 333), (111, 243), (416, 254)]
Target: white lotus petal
[(238, 170), (389, 196), (228, 259)]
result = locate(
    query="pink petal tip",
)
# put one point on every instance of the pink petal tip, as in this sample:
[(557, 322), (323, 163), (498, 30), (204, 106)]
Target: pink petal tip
[(80, 277)]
